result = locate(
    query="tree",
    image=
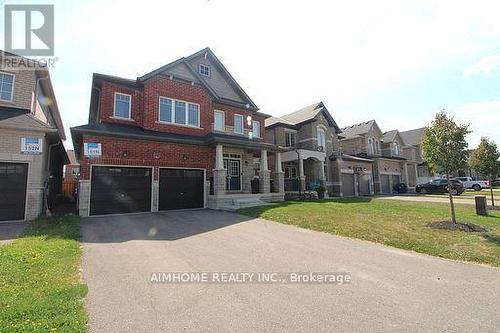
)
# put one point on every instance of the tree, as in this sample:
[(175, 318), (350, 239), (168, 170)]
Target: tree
[(444, 149), (485, 162)]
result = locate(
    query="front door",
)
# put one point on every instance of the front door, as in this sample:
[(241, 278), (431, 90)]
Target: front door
[(233, 168)]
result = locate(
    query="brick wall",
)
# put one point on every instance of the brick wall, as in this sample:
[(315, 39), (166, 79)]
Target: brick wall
[(148, 153)]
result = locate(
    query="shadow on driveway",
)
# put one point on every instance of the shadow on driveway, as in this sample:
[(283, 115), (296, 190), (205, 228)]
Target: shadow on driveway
[(9, 231), (156, 226)]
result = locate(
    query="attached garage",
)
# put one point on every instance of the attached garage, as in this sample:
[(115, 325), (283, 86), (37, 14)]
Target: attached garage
[(386, 184), (364, 184), (13, 182), (181, 189), (118, 190), (348, 185)]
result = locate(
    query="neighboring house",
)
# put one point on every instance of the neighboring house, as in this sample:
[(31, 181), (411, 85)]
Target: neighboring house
[(386, 152), (185, 135), (414, 138), (310, 136), (71, 170), (32, 155)]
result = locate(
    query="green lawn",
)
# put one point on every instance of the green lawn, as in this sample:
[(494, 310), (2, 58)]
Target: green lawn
[(40, 287), (394, 223)]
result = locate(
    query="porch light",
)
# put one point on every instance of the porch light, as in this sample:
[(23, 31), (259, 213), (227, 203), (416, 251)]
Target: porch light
[(249, 120)]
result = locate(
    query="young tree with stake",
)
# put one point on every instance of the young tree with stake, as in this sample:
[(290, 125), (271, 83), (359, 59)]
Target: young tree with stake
[(485, 161), (444, 147)]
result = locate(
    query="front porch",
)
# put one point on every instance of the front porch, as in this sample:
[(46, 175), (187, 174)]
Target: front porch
[(304, 171), (242, 178)]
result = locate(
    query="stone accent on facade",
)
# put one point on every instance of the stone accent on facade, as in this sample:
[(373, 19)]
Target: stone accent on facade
[(264, 181), (155, 195), (84, 198), (220, 179)]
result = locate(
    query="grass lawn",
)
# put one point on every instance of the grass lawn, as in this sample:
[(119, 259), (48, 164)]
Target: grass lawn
[(40, 288), (394, 223)]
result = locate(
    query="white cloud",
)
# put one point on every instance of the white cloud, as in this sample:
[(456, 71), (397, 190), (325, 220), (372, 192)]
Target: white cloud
[(485, 66), (484, 120)]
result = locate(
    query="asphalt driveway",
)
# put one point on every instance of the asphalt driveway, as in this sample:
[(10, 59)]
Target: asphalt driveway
[(391, 289), (9, 231)]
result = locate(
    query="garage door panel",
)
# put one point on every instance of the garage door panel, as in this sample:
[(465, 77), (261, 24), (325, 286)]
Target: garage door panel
[(118, 190), (386, 185), (13, 183), (364, 185), (348, 184), (181, 189)]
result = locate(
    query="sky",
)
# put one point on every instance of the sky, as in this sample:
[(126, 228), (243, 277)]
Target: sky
[(398, 62)]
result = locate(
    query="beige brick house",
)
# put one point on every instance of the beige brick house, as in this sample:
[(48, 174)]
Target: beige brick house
[(393, 160), (31, 151)]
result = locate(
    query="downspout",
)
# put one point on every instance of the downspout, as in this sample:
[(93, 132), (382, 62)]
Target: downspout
[(46, 184)]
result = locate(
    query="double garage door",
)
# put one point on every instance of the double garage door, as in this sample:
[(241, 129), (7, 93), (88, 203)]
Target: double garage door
[(118, 190), (13, 180)]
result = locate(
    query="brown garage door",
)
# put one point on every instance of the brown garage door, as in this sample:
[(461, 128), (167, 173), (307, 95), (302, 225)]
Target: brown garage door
[(13, 178), (386, 185), (348, 184), (116, 190), (364, 184)]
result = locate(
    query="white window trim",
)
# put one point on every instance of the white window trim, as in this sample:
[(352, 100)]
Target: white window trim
[(172, 122), (242, 124), (291, 133), (12, 92), (223, 121), (258, 122), (207, 66), (129, 107), (318, 131)]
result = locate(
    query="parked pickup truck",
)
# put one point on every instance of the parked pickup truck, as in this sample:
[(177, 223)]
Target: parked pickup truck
[(476, 185)]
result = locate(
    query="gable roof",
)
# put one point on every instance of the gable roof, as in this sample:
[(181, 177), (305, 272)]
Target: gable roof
[(413, 137), (356, 130), (390, 136), (226, 90), (303, 115)]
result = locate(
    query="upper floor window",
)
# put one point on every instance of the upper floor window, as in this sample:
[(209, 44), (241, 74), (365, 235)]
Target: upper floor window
[(6, 86), (395, 148), (371, 146), (204, 69), (122, 105), (179, 112), (256, 128), (321, 139), (238, 124), (219, 120), (290, 139)]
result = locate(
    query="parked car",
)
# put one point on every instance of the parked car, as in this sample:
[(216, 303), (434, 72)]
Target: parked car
[(441, 186), (476, 185), (496, 182)]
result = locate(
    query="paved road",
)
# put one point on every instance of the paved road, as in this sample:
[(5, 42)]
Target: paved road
[(416, 198), (391, 289), (9, 231)]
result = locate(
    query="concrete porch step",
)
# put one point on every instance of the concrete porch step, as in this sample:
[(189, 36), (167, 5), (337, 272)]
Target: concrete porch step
[(244, 203)]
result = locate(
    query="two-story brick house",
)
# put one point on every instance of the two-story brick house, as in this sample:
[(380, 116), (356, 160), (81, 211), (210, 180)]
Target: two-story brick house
[(32, 154), (185, 135), (414, 138), (393, 161), (310, 137)]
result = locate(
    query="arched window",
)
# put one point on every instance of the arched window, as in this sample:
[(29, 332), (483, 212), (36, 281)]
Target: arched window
[(321, 139), (396, 148)]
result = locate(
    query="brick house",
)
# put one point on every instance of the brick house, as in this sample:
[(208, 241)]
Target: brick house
[(310, 138), (185, 135), (414, 138), (32, 154), (392, 159)]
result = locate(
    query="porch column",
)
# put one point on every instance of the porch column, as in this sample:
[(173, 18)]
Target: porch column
[(322, 177), (279, 179), (264, 173), (220, 174), (416, 173), (302, 178), (405, 169)]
